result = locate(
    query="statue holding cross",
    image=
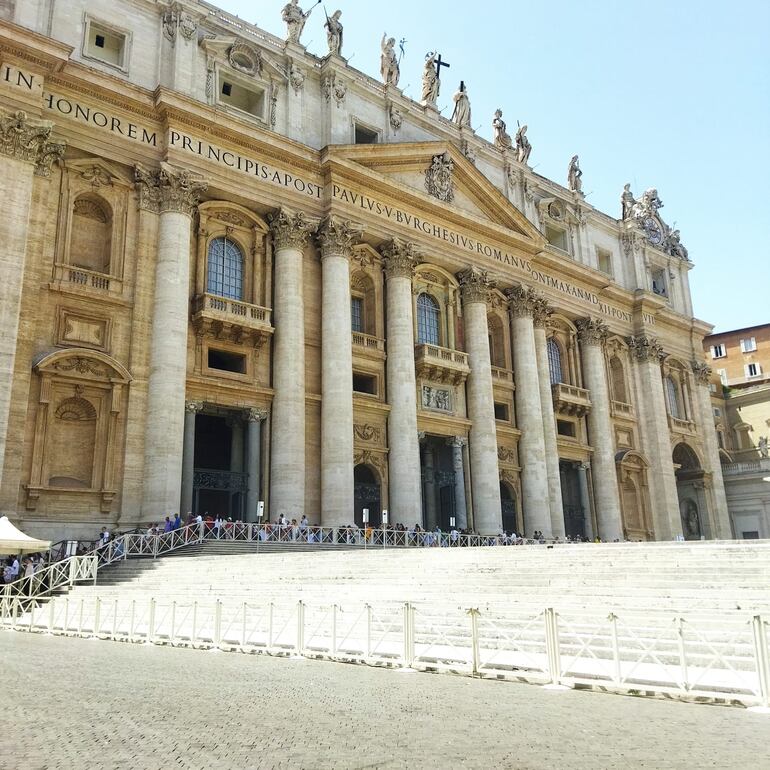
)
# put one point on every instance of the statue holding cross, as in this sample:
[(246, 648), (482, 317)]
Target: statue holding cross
[(431, 81)]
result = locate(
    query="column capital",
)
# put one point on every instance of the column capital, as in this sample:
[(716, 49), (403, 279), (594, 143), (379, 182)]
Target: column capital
[(541, 310), (256, 415), (591, 331), (193, 407), (475, 285), (645, 348), (702, 372), (291, 229), (27, 140), (336, 237), (400, 258), (457, 442), (522, 301), (421, 436), (168, 189)]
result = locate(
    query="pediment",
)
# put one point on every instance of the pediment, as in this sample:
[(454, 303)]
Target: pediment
[(419, 169)]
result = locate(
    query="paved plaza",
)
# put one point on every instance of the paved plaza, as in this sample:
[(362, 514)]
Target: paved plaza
[(72, 703)]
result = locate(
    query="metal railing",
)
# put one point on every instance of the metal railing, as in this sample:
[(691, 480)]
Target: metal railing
[(723, 657)]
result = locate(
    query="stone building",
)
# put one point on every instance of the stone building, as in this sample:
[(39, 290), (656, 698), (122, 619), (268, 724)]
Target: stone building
[(740, 395), (236, 272)]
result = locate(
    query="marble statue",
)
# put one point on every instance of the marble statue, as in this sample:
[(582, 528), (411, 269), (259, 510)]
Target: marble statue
[(502, 137), (762, 446), (462, 111), (649, 203), (295, 19), (523, 147), (627, 202), (574, 175), (676, 247), (389, 68), (431, 85), (334, 33)]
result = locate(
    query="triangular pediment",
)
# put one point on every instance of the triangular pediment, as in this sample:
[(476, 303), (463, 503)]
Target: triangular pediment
[(405, 166)]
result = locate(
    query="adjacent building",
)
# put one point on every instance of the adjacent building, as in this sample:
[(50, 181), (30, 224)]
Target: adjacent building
[(234, 272)]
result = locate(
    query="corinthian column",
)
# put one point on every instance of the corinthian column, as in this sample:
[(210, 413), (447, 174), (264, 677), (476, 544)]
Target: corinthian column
[(536, 499), (291, 233), (403, 443), (25, 151), (336, 238), (485, 479), (539, 318), (174, 193), (592, 334), (719, 516), (655, 433)]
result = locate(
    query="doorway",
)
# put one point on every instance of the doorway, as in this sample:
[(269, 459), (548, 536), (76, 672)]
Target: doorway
[(366, 494)]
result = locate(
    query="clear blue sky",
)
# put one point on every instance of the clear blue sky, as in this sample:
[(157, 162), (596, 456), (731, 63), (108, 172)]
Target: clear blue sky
[(670, 94)]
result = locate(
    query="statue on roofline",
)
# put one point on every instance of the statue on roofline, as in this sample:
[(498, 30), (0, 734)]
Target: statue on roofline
[(295, 18), (502, 137), (389, 68), (334, 33)]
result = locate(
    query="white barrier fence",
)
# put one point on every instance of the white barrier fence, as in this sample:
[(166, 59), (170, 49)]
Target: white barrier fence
[(722, 657)]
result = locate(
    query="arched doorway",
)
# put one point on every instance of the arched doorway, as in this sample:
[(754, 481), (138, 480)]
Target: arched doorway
[(366, 490), (508, 506), (690, 491)]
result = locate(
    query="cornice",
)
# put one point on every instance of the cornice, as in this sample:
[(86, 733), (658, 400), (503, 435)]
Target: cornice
[(34, 48)]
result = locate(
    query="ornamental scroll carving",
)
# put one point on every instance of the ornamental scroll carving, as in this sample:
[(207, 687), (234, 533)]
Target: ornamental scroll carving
[(702, 372), (645, 349), (522, 301), (28, 140), (475, 285), (168, 189), (336, 237), (369, 433), (541, 311), (591, 331), (438, 178), (400, 258), (291, 230)]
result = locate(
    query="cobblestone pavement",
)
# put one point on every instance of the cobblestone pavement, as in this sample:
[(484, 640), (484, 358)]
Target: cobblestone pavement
[(74, 703)]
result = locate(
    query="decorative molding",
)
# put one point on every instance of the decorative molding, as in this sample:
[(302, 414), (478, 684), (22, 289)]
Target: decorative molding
[(541, 311), (147, 188), (369, 433), (193, 407), (374, 458), (336, 237), (176, 20), (291, 230), (522, 301), (180, 190), (28, 140), (332, 87), (475, 285), (645, 348), (256, 414), (438, 178), (457, 442), (400, 258), (506, 455), (395, 117), (436, 398), (97, 176), (702, 372), (245, 58), (592, 331), (296, 78)]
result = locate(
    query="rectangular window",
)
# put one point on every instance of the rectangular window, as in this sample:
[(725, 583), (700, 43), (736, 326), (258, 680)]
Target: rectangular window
[(251, 100), (722, 376), (364, 135), (365, 383), (604, 261), (226, 361), (566, 428), (748, 345), (753, 370), (105, 44), (659, 283), (356, 314), (717, 412), (556, 237), (718, 351), (501, 412)]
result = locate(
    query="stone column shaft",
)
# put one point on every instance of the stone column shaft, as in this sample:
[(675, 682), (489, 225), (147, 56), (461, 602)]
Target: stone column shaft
[(404, 455), (24, 151), (604, 475), (549, 423), (585, 500), (236, 443), (253, 461), (654, 423), (485, 476), (429, 473), (535, 492), (461, 509), (291, 232), (191, 409), (337, 496), (175, 193)]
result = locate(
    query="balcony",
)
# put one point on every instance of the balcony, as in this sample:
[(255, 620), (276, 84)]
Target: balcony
[(368, 346), (759, 468), (570, 400), (72, 277), (681, 426), (503, 377), (229, 319), (441, 364), (622, 410)]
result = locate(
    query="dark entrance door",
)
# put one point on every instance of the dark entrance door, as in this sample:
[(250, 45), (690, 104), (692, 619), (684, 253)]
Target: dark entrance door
[(366, 493), (508, 508), (574, 516)]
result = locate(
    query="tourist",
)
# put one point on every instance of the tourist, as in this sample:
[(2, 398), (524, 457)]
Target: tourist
[(217, 527)]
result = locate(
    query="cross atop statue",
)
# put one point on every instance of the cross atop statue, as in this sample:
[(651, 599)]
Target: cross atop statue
[(439, 65), (431, 80)]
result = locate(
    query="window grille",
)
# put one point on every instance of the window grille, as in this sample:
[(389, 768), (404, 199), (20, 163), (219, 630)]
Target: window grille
[(356, 314), (225, 269), (554, 362), (428, 315)]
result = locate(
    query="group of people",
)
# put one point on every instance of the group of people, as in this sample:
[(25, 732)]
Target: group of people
[(13, 568)]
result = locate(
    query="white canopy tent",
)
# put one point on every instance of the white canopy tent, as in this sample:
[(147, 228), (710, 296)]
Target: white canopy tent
[(13, 540)]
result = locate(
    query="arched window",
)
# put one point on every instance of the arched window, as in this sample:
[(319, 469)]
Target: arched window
[(672, 398), (225, 268), (428, 315), (91, 240), (554, 361), (618, 380)]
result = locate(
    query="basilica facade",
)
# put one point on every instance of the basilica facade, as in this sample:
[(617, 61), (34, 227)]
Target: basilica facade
[(237, 277)]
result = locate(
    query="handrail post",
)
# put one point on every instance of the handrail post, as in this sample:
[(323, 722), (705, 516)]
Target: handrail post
[(151, 622), (269, 626), (334, 630), (368, 631), (97, 617), (243, 628), (553, 653), (613, 618), (763, 664), (155, 539), (682, 653), (218, 625), (408, 655), (475, 658), (300, 644)]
